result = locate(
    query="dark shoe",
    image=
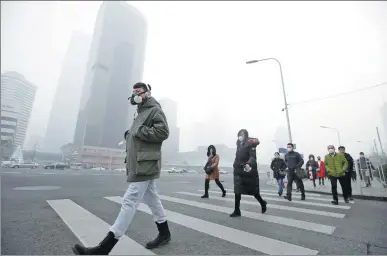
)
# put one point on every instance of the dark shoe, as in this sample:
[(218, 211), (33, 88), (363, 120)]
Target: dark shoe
[(224, 193), (263, 206), (351, 198), (280, 193), (204, 196), (289, 198), (335, 202), (236, 213), (103, 248), (346, 200), (162, 238), (302, 197), (297, 190)]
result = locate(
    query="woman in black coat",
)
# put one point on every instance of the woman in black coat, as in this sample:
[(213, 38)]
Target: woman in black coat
[(246, 179)]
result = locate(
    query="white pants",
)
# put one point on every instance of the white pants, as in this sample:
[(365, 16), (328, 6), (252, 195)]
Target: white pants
[(144, 191)]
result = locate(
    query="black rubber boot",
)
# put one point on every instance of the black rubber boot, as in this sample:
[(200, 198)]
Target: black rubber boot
[(237, 211), (206, 188), (162, 238), (288, 197), (220, 185), (303, 197), (335, 202), (103, 248)]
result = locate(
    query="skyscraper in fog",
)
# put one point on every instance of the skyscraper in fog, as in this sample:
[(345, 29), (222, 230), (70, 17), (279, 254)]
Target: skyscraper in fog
[(64, 112), (116, 62), (171, 145), (19, 96)]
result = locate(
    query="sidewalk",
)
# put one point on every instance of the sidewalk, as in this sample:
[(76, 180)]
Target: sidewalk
[(359, 189)]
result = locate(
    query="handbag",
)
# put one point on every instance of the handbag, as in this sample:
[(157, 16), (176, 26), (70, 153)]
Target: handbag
[(282, 173), (208, 169), (300, 173)]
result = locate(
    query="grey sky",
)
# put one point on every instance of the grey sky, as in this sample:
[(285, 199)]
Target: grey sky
[(196, 53)]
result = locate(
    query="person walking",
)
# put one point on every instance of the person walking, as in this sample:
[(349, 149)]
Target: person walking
[(213, 166), (312, 165), (294, 162), (365, 168), (143, 164), (320, 171), (336, 165), (246, 178), (278, 166), (349, 171)]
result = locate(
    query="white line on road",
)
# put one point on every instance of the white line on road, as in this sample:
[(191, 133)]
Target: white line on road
[(90, 229), (309, 196), (320, 228), (300, 202), (249, 240), (275, 206), (276, 192), (13, 172)]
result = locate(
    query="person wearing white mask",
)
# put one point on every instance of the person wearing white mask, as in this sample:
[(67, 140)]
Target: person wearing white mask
[(336, 165), (143, 166), (312, 165), (246, 178), (294, 162)]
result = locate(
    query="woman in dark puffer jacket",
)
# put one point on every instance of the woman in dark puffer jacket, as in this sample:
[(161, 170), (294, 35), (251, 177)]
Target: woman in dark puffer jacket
[(246, 179)]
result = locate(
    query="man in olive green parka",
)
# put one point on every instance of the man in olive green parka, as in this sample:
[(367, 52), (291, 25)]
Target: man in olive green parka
[(336, 164)]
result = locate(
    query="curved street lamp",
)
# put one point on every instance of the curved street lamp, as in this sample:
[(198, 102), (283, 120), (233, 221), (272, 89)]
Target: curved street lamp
[(283, 90), (337, 131)]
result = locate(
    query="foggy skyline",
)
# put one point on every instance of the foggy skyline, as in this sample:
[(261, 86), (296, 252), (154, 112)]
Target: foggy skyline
[(325, 48)]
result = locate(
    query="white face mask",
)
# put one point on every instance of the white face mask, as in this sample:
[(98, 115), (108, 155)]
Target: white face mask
[(311, 159), (276, 156), (240, 138), (331, 151), (290, 149)]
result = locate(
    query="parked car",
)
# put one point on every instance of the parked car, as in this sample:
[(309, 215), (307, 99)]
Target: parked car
[(25, 165), (98, 169), (60, 166), (223, 172)]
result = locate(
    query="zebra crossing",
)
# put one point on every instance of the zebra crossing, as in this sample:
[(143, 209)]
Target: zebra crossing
[(89, 228)]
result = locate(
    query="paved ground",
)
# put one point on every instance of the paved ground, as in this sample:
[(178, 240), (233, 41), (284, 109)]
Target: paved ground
[(50, 221)]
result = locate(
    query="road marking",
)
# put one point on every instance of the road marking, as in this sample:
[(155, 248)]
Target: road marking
[(276, 192), (90, 229), (256, 242), (281, 199), (275, 206), (49, 173), (13, 172), (182, 182), (325, 229), (309, 196)]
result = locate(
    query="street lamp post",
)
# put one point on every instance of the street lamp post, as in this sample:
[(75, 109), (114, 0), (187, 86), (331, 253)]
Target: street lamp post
[(337, 131), (283, 90)]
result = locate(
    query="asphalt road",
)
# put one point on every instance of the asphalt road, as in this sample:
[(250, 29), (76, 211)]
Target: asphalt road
[(47, 211)]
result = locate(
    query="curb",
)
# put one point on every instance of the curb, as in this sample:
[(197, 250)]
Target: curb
[(363, 197)]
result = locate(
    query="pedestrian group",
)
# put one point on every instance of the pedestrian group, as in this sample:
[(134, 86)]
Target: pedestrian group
[(143, 165)]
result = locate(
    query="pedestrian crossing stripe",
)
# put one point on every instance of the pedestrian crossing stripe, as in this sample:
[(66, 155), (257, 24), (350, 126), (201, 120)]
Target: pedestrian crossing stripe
[(89, 229), (300, 202), (276, 206), (308, 197), (252, 241), (325, 229)]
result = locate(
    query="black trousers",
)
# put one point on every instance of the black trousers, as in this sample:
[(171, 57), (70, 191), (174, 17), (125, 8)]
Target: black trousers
[(293, 177), (238, 198), (207, 186), (348, 176), (344, 186)]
